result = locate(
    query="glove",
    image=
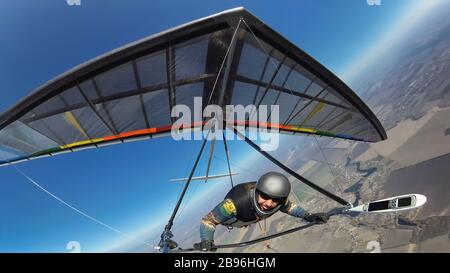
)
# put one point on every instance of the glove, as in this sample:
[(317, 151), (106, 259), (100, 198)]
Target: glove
[(319, 218), (207, 245)]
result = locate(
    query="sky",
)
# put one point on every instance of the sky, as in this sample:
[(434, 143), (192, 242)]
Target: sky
[(126, 187)]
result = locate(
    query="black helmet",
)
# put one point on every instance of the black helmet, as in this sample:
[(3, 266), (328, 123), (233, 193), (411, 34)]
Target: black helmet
[(272, 185)]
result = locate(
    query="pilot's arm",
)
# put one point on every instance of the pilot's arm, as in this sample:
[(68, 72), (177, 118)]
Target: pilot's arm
[(295, 210), (224, 211)]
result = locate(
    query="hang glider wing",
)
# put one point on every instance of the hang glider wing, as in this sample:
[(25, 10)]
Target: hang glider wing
[(230, 58)]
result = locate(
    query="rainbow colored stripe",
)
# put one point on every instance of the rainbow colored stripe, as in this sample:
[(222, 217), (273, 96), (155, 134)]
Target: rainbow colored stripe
[(196, 125)]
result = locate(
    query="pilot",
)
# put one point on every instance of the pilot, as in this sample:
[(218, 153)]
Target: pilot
[(252, 202)]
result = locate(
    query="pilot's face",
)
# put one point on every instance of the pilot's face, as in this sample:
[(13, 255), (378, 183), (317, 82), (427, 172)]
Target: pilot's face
[(266, 203)]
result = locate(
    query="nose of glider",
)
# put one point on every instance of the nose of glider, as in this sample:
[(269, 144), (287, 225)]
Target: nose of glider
[(420, 200)]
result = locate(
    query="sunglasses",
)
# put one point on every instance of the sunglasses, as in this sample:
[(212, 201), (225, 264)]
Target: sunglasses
[(267, 197)]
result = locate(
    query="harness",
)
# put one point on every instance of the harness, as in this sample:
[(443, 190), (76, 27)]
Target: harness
[(242, 197)]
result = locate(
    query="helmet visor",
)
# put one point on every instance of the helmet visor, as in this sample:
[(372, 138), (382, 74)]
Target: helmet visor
[(264, 196)]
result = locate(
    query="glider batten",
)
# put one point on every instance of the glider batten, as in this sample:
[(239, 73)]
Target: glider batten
[(336, 99), (309, 63)]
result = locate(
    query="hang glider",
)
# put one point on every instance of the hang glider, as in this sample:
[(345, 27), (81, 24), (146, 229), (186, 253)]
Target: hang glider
[(230, 58)]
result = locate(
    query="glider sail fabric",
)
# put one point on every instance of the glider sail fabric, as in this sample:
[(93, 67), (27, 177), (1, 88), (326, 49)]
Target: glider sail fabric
[(267, 76), (231, 58)]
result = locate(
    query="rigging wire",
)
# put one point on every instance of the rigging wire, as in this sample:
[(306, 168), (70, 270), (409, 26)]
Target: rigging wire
[(123, 234), (228, 157), (268, 54), (224, 59), (277, 67), (185, 205), (187, 201), (239, 167), (329, 167), (264, 234), (345, 168), (263, 231), (271, 248), (194, 190), (181, 189), (307, 192)]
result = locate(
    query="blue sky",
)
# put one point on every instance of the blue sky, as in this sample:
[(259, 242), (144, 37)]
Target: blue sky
[(126, 186)]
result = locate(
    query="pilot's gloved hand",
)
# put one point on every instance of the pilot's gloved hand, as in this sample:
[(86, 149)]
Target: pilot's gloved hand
[(319, 218), (207, 245)]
